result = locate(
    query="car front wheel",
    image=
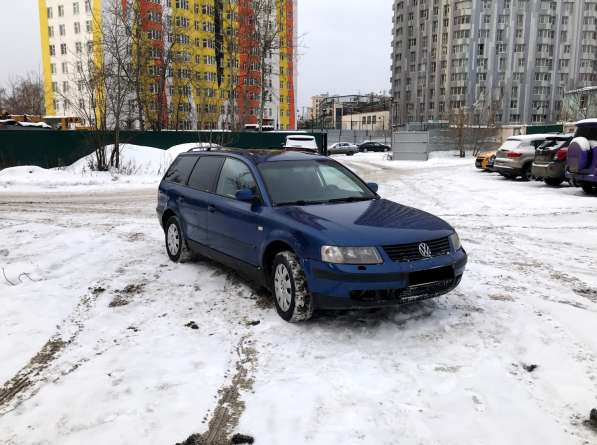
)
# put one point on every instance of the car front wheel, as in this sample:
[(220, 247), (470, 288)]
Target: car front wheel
[(292, 299), (176, 246)]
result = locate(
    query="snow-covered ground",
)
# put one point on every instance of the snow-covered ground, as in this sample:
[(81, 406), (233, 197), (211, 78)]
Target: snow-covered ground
[(98, 346)]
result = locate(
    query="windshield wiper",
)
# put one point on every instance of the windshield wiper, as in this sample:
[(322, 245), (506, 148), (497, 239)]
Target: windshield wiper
[(349, 199), (300, 202)]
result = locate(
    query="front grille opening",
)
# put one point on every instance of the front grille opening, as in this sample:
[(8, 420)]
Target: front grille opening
[(410, 252)]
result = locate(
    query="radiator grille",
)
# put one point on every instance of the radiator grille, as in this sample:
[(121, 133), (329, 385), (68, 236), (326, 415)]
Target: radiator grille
[(410, 252)]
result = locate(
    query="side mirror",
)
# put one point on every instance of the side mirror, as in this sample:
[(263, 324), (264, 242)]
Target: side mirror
[(246, 195), (373, 187)]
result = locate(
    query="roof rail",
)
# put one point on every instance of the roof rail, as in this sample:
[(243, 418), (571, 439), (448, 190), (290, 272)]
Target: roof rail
[(205, 146)]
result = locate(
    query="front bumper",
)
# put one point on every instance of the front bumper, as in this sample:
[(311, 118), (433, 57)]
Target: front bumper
[(582, 177), (551, 170), (346, 286)]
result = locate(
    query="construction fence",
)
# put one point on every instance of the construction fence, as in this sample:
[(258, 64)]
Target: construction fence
[(49, 149)]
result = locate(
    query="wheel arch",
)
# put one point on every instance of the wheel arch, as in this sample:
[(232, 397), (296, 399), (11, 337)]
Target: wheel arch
[(169, 213), (270, 252)]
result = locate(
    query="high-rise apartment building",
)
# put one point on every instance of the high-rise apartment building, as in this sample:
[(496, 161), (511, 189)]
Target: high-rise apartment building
[(198, 60), (506, 61)]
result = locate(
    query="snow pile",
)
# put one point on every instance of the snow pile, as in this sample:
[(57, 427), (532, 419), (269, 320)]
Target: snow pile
[(134, 160), (139, 165)]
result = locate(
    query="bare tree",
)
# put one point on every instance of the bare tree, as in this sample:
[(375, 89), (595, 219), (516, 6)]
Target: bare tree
[(24, 95), (265, 43), (230, 47), (102, 88)]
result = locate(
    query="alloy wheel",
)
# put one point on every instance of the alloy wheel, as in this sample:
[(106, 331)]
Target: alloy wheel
[(283, 287), (173, 240)]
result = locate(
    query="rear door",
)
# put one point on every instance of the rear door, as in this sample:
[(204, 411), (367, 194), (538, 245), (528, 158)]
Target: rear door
[(235, 227), (198, 196)]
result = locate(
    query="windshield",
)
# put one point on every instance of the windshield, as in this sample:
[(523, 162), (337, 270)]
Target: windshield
[(554, 143), (312, 182)]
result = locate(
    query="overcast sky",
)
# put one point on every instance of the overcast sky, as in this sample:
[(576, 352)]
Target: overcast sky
[(345, 45)]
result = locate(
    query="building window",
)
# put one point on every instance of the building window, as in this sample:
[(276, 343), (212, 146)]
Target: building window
[(63, 49), (88, 26), (60, 11), (50, 13), (76, 8), (50, 31), (62, 29), (52, 50)]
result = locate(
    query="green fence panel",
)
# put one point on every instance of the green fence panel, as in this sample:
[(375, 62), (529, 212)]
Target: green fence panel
[(50, 149), (541, 129)]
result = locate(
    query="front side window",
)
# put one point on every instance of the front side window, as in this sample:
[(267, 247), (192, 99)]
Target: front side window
[(235, 176), (312, 182)]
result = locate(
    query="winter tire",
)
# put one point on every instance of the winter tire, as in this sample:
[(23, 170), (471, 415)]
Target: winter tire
[(590, 189), (291, 296), (176, 246), (526, 172), (554, 182)]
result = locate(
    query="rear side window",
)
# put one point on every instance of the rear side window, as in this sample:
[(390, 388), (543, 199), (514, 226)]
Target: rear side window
[(180, 169), (205, 173), (587, 132), (235, 176)]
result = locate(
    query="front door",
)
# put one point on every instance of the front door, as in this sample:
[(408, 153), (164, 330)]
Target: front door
[(235, 227)]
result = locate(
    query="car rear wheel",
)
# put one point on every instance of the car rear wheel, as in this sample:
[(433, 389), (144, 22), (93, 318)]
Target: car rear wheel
[(589, 188), (554, 182), (292, 299), (176, 246), (526, 172)]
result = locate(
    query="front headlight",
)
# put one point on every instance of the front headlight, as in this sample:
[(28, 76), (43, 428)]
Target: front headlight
[(455, 241), (350, 255)]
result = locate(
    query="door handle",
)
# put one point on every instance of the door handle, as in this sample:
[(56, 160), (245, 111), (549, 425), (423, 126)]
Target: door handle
[(211, 208)]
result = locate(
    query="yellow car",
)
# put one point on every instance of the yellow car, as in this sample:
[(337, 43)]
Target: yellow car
[(485, 160)]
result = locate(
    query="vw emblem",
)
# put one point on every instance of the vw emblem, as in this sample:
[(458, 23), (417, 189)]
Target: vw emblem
[(425, 250)]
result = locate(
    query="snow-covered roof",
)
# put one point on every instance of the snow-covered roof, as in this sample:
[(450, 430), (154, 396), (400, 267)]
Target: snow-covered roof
[(586, 122), (8, 121), (530, 137)]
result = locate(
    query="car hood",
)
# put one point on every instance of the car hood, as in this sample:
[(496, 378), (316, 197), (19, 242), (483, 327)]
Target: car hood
[(367, 223)]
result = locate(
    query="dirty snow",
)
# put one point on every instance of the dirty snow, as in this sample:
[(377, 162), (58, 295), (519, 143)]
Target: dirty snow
[(96, 349)]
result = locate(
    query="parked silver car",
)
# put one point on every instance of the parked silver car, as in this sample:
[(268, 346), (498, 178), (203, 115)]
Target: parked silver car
[(343, 148), (515, 157)]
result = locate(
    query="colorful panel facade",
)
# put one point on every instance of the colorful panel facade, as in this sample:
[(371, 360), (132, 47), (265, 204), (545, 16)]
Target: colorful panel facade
[(196, 59)]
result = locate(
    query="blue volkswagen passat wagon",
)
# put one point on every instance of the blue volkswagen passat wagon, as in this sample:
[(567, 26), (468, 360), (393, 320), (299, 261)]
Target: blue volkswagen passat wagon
[(307, 228)]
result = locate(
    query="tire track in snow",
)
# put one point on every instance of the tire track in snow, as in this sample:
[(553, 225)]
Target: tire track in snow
[(27, 381)]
